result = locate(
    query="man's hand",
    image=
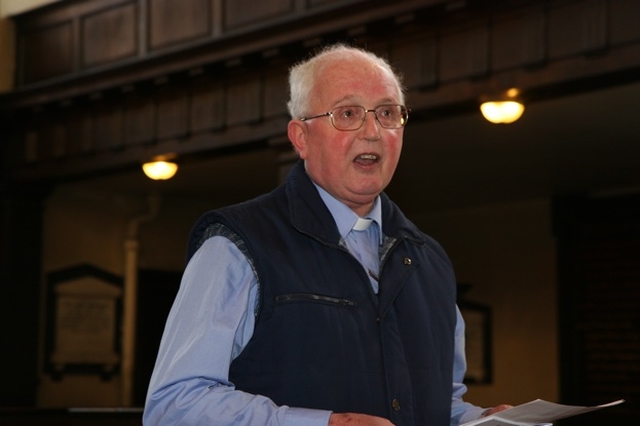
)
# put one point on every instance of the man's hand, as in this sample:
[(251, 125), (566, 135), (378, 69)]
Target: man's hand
[(352, 419), (496, 409)]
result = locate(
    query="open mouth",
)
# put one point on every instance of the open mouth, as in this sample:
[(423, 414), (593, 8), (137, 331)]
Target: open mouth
[(366, 159)]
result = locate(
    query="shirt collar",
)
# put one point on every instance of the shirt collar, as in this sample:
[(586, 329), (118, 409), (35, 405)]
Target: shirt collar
[(346, 218)]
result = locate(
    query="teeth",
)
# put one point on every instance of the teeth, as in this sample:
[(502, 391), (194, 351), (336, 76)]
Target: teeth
[(368, 157)]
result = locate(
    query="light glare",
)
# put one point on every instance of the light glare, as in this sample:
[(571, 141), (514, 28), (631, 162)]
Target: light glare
[(502, 112), (160, 170)]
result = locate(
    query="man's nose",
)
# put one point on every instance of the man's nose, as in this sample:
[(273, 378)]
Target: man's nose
[(371, 125)]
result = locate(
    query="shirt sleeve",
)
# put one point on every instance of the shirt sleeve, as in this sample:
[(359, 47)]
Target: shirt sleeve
[(209, 324), (461, 411)]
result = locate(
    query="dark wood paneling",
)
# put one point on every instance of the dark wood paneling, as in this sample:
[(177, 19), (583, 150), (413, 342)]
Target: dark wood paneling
[(595, 26), (51, 138), (207, 106), (566, 40), (85, 131), (243, 12), (417, 61), (172, 22), (599, 304), (47, 53), (322, 2), (464, 54), (107, 127), (518, 40), (624, 17), (276, 92), (72, 36), (449, 57), (172, 113), (139, 120), (74, 121), (59, 139), (243, 101), (40, 139), (109, 36)]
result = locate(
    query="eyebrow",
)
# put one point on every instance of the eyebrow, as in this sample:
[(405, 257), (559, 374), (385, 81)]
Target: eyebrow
[(383, 101)]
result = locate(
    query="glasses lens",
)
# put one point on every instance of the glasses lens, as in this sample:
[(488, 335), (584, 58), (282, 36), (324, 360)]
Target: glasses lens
[(392, 116), (352, 117), (348, 117)]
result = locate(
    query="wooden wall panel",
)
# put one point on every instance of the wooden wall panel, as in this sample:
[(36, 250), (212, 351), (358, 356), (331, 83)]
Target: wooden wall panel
[(75, 124), (207, 107), (217, 80), (47, 53), (38, 147), (172, 113), (478, 50), (53, 134), (109, 36), (565, 40), (624, 18), (323, 2), (59, 137), (243, 12), (85, 132), (464, 54), (172, 21), (518, 40), (595, 26), (139, 114), (69, 37), (107, 127), (598, 242), (243, 100), (38, 138), (275, 92), (417, 61)]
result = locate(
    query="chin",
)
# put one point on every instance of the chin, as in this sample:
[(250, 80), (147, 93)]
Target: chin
[(369, 194)]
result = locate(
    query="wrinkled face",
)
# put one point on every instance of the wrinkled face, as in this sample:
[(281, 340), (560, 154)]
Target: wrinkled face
[(353, 166)]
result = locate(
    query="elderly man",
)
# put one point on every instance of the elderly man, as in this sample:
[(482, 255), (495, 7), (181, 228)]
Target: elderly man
[(319, 303)]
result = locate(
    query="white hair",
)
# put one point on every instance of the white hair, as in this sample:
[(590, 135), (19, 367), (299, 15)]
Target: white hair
[(302, 76)]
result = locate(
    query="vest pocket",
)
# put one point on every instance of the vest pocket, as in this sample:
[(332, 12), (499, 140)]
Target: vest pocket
[(310, 297)]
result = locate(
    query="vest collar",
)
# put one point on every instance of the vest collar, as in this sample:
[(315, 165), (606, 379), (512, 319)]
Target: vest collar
[(310, 215)]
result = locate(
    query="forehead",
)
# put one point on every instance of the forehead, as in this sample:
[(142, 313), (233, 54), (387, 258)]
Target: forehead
[(356, 79)]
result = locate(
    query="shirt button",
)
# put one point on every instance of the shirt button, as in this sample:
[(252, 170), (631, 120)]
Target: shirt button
[(406, 261), (395, 404)]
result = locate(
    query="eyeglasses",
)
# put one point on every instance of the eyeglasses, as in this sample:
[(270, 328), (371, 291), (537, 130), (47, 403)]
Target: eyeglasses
[(352, 117)]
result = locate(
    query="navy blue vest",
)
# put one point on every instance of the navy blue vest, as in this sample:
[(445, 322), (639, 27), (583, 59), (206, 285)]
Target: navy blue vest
[(322, 338)]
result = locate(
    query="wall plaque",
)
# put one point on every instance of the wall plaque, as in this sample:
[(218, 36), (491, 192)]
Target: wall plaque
[(85, 328), (83, 322)]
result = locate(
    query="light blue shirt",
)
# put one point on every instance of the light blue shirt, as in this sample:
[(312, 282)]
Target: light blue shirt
[(212, 320), (363, 244)]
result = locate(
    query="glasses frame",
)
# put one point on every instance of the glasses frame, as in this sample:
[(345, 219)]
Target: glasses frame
[(329, 114)]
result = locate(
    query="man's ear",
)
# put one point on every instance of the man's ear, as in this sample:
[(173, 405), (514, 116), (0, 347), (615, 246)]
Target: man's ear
[(297, 132)]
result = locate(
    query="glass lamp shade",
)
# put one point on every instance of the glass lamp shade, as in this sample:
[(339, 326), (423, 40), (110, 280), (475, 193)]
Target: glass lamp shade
[(160, 170), (502, 111)]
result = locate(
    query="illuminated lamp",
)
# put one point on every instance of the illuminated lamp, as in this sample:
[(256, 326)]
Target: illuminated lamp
[(503, 109), (160, 168)]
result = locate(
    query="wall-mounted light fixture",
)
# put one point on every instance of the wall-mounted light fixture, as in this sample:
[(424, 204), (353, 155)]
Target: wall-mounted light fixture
[(505, 108), (160, 168)]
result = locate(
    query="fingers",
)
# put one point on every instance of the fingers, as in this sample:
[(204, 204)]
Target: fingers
[(354, 419), (496, 409)]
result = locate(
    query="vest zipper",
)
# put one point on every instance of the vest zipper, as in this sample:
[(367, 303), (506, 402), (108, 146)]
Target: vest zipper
[(306, 297)]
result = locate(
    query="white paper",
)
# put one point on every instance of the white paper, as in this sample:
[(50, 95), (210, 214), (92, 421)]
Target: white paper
[(536, 413)]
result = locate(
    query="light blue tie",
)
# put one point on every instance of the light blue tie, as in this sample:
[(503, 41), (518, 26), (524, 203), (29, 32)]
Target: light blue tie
[(362, 240)]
